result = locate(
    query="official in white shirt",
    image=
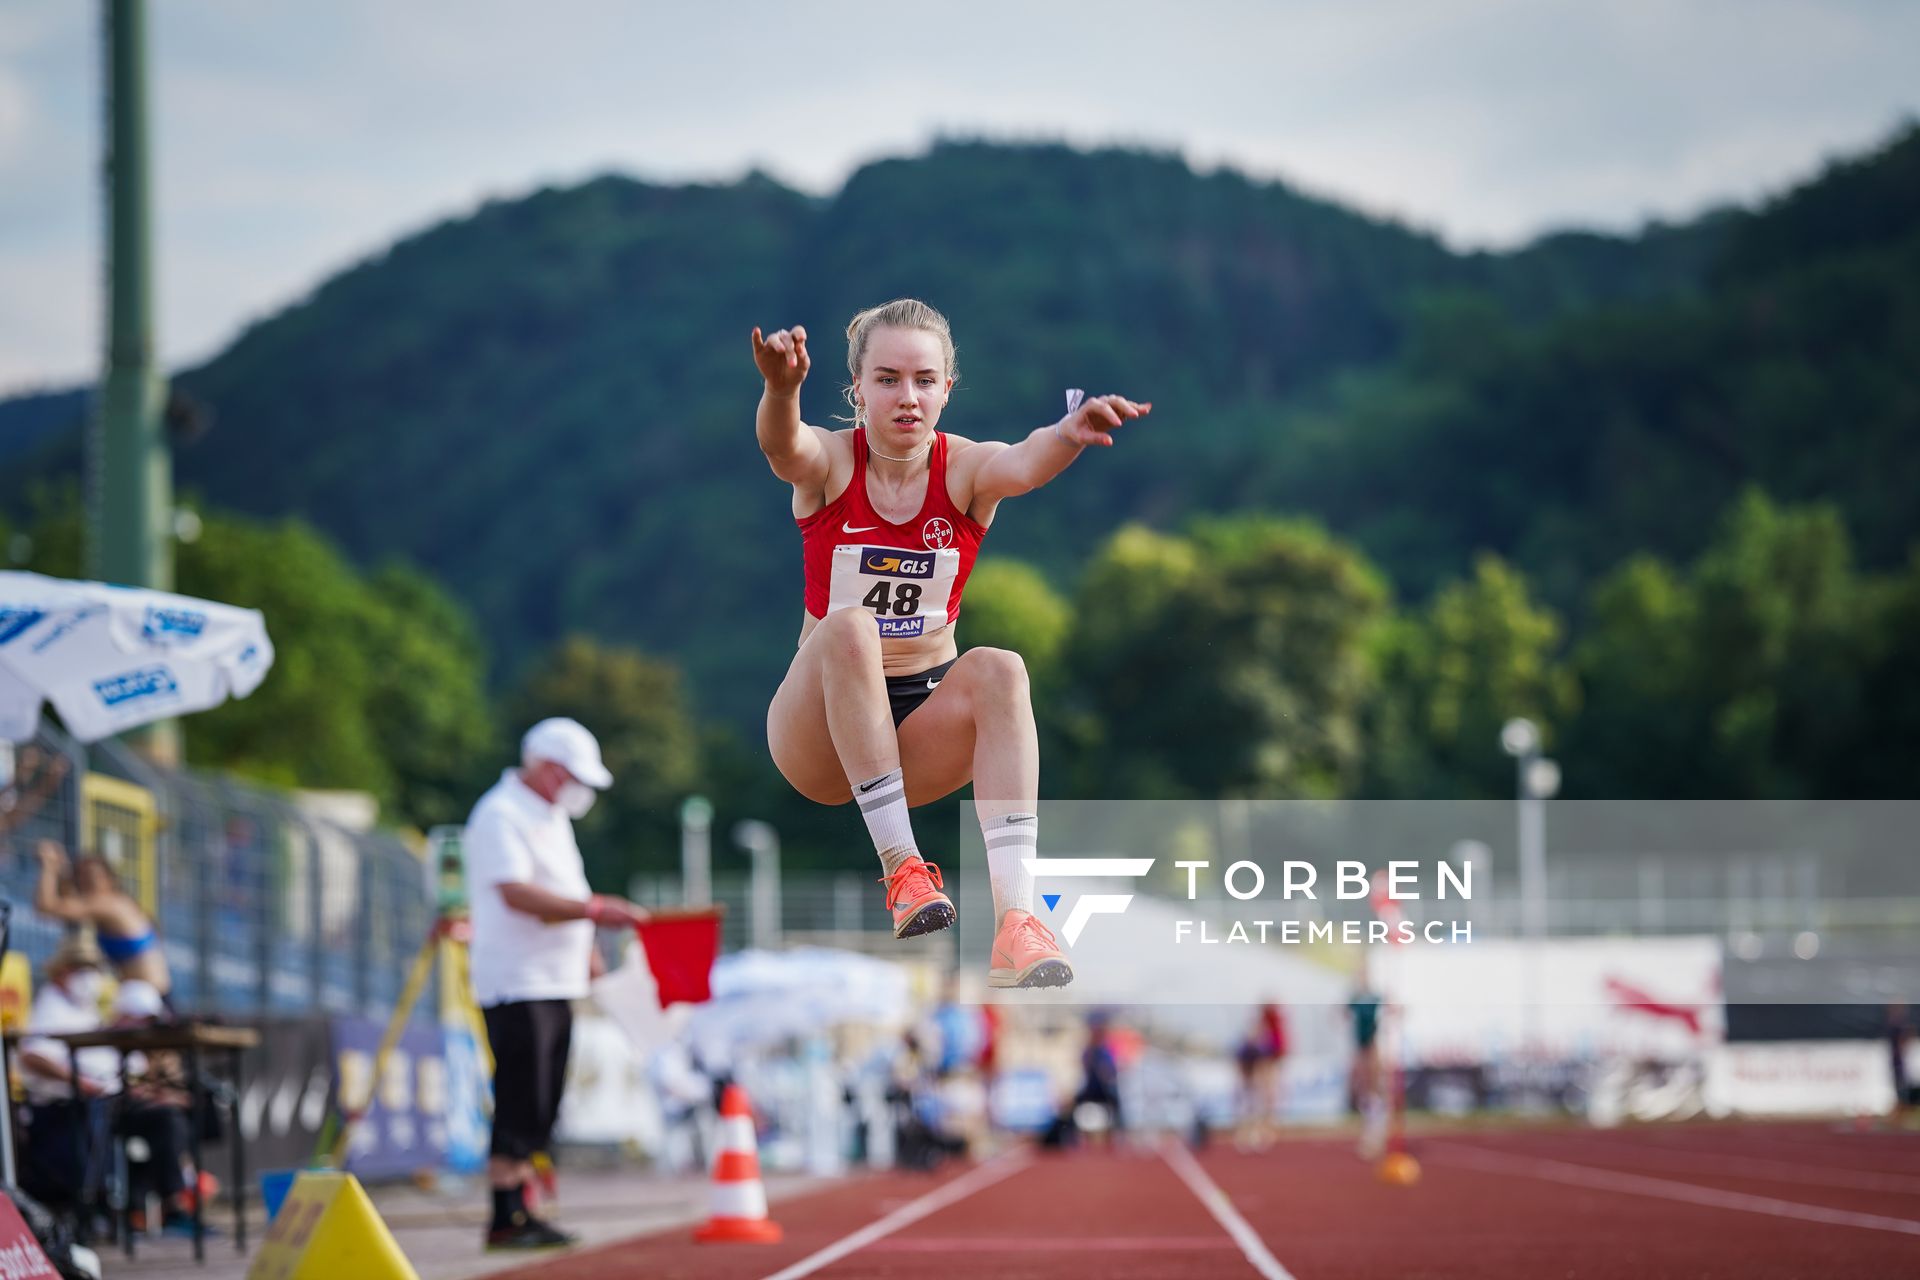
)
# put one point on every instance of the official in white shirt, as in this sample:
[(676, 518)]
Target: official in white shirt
[(533, 919)]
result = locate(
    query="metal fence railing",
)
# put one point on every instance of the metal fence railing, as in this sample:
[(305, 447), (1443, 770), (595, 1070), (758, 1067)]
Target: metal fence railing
[(263, 907), (841, 907), (42, 802)]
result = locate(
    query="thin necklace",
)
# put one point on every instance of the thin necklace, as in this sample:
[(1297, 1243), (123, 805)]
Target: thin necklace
[(889, 457)]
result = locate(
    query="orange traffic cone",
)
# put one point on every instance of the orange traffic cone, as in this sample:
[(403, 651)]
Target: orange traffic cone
[(737, 1205)]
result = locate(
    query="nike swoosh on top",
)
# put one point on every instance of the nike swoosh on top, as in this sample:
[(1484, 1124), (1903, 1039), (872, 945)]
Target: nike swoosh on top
[(865, 528)]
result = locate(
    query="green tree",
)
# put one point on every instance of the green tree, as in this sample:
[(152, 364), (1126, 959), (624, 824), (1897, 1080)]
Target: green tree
[(1637, 662), (1232, 661), (1781, 637), (1011, 606), (636, 706), (1747, 679), (1480, 653), (427, 696), (377, 684), (1881, 763)]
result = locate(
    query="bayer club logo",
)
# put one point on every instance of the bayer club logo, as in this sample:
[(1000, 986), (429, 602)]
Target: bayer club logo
[(936, 533)]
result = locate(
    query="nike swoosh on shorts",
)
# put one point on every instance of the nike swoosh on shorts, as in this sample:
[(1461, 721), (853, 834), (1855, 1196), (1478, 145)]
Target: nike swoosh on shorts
[(932, 685)]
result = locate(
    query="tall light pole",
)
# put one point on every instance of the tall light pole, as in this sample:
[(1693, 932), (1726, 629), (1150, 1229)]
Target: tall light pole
[(1475, 860), (131, 468), (763, 898), (1537, 781), (696, 851)]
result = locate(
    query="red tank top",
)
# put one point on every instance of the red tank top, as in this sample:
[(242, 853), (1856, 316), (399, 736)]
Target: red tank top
[(850, 520)]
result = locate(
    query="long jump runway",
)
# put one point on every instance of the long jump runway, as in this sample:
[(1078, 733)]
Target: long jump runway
[(1751, 1202)]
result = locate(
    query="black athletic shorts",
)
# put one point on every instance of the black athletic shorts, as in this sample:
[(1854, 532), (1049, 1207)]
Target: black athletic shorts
[(906, 693), (530, 1041)]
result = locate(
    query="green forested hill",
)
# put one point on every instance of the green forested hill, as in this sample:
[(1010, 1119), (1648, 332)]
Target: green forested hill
[(548, 404), (1631, 425)]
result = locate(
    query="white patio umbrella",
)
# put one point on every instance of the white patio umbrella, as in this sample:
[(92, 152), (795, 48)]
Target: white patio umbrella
[(112, 658)]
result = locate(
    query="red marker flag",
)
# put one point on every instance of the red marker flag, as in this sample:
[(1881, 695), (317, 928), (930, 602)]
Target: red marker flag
[(681, 946)]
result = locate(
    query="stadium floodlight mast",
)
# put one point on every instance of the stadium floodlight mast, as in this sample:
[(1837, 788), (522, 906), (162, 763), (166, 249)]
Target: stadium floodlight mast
[(1475, 858), (696, 852), (763, 902), (1538, 780)]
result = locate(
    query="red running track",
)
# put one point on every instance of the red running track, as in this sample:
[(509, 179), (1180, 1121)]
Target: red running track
[(1756, 1202)]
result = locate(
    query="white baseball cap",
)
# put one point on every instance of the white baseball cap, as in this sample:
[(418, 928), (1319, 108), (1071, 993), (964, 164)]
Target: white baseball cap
[(568, 744)]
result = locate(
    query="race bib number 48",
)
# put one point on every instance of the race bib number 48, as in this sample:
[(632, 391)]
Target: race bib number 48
[(906, 591)]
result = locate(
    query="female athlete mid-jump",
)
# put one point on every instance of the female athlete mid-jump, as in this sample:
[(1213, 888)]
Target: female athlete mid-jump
[(879, 705)]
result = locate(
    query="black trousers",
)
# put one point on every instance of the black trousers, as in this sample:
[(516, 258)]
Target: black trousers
[(530, 1040), (164, 1130), (64, 1152)]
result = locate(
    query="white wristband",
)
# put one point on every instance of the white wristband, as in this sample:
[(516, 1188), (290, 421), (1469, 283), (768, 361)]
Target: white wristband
[(1075, 398)]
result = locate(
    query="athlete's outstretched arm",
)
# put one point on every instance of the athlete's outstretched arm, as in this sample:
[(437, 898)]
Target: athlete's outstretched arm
[(1026, 465), (796, 451)]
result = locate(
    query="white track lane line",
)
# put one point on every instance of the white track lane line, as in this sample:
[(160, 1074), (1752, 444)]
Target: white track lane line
[(1848, 1150), (1188, 1170), (935, 1200), (1634, 1184), (1755, 1168)]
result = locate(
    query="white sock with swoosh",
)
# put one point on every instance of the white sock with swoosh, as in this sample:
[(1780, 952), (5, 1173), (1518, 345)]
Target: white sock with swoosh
[(883, 803), (1011, 838)]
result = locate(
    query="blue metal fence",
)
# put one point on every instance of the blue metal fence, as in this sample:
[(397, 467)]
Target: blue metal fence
[(263, 906)]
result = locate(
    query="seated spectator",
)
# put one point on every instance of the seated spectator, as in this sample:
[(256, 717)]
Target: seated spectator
[(156, 1110), (63, 1142)]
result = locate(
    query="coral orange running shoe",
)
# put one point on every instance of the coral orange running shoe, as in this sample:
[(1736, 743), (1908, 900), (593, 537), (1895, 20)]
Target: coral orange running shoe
[(1026, 954), (914, 897)]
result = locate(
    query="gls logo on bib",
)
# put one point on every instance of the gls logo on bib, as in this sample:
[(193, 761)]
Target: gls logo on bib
[(895, 563)]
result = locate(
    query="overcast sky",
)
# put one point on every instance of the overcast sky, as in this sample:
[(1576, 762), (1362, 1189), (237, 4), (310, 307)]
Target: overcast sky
[(293, 138)]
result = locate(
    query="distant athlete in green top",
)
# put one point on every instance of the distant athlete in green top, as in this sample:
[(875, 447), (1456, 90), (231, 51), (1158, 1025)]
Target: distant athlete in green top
[(1364, 1084)]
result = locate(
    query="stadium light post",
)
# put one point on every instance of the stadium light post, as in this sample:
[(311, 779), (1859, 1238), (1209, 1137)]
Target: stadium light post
[(696, 851), (1475, 860), (1537, 781), (763, 842), (129, 463)]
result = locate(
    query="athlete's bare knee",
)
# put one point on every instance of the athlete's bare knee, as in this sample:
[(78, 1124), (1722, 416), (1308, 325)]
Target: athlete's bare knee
[(998, 675), (850, 635)]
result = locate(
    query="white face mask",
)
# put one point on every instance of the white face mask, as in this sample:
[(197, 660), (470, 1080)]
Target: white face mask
[(576, 798)]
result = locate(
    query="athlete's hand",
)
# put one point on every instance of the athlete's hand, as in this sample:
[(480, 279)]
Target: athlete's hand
[(1094, 421), (782, 358)]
